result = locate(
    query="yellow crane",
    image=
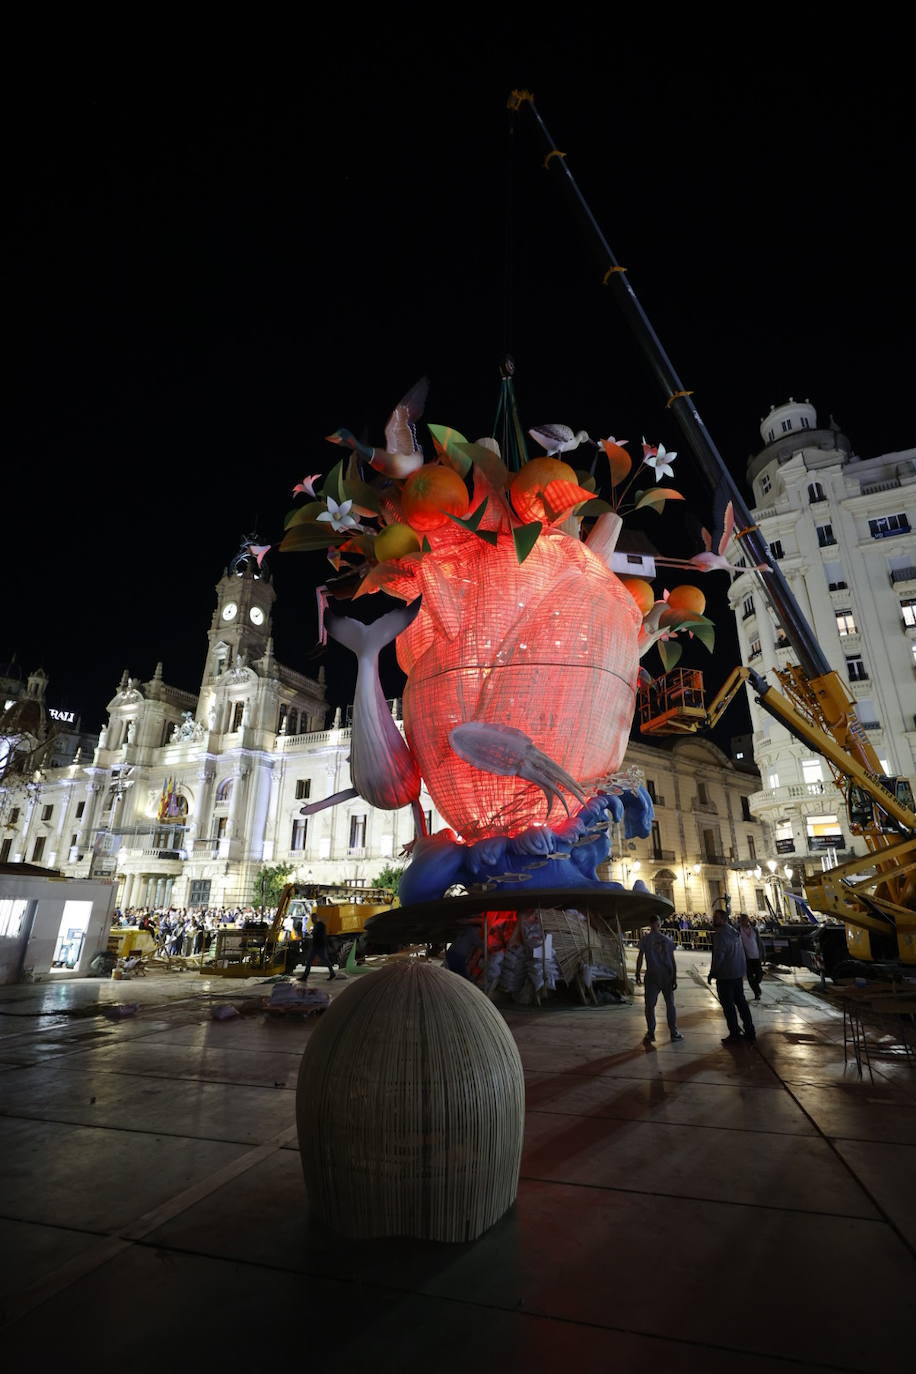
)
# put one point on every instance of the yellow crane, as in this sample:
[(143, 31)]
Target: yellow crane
[(875, 896)]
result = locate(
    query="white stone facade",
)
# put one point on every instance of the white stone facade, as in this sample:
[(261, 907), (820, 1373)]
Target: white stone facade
[(245, 754), (843, 529)]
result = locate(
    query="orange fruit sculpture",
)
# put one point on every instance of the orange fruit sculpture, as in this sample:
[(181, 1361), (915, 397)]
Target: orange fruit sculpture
[(687, 598), (641, 592), (430, 495), (534, 479)]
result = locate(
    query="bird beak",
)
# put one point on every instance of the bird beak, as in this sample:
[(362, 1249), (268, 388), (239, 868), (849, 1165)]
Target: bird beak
[(333, 438)]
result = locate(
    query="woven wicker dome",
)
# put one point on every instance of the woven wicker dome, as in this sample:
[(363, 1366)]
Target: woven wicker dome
[(410, 1108)]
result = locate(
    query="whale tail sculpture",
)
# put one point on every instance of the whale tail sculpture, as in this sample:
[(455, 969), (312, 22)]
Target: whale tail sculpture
[(382, 768)]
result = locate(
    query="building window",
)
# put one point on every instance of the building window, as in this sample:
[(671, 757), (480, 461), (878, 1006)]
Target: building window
[(428, 818), (755, 648), (855, 668), (650, 788), (238, 711), (886, 525), (825, 536), (297, 840), (746, 810), (751, 848), (765, 483), (867, 714), (761, 898), (5, 848), (702, 794), (815, 493), (74, 840), (292, 725), (199, 894), (303, 788), (224, 791), (774, 779), (776, 549), (908, 611), (281, 721), (786, 426), (747, 607), (15, 814), (39, 849), (846, 623), (222, 826), (12, 910), (833, 571), (771, 435), (811, 770), (47, 812), (357, 832)]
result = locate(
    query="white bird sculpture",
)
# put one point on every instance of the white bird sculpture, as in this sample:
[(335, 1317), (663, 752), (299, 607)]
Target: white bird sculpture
[(559, 438)]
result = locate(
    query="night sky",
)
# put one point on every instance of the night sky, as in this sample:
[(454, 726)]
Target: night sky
[(208, 273)]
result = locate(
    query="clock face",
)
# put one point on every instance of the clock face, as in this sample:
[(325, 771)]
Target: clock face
[(230, 610), (256, 615)]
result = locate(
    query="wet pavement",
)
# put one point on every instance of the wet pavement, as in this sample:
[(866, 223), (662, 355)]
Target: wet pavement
[(686, 1206)]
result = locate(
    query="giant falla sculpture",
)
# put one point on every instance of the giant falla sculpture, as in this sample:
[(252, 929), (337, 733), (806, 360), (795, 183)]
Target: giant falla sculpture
[(520, 645)]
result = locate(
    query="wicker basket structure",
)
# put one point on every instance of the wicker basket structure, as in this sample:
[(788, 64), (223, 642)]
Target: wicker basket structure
[(410, 1108)]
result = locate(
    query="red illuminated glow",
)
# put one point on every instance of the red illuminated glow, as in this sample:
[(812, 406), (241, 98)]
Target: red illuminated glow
[(548, 646)]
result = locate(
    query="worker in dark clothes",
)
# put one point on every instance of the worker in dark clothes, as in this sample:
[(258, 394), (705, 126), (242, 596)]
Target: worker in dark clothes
[(319, 950), (728, 967)]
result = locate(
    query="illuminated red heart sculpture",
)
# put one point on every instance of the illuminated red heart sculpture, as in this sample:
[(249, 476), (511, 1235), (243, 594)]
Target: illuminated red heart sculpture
[(548, 645)]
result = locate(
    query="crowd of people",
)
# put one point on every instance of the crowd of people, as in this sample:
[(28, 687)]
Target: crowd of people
[(188, 930), (687, 921)]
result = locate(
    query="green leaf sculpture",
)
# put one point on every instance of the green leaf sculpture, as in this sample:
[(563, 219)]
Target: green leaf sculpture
[(525, 537)]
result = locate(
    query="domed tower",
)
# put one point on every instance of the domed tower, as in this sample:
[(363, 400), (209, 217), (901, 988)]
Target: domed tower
[(791, 431)]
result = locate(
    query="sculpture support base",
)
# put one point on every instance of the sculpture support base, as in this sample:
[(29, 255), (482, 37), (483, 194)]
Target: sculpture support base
[(410, 1108)]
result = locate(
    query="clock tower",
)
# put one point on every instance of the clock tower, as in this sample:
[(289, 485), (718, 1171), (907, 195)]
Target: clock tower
[(241, 621)]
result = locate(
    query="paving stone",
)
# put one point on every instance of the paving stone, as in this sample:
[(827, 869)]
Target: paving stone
[(859, 1110), (176, 1107), (260, 1068), (28, 1252), (95, 1179), (688, 1161), (887, 1171), (698, 1104)]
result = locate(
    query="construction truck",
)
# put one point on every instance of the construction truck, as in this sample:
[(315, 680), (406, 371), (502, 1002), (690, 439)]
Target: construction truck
[(874, 897), (343, 907), (266, 949)]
